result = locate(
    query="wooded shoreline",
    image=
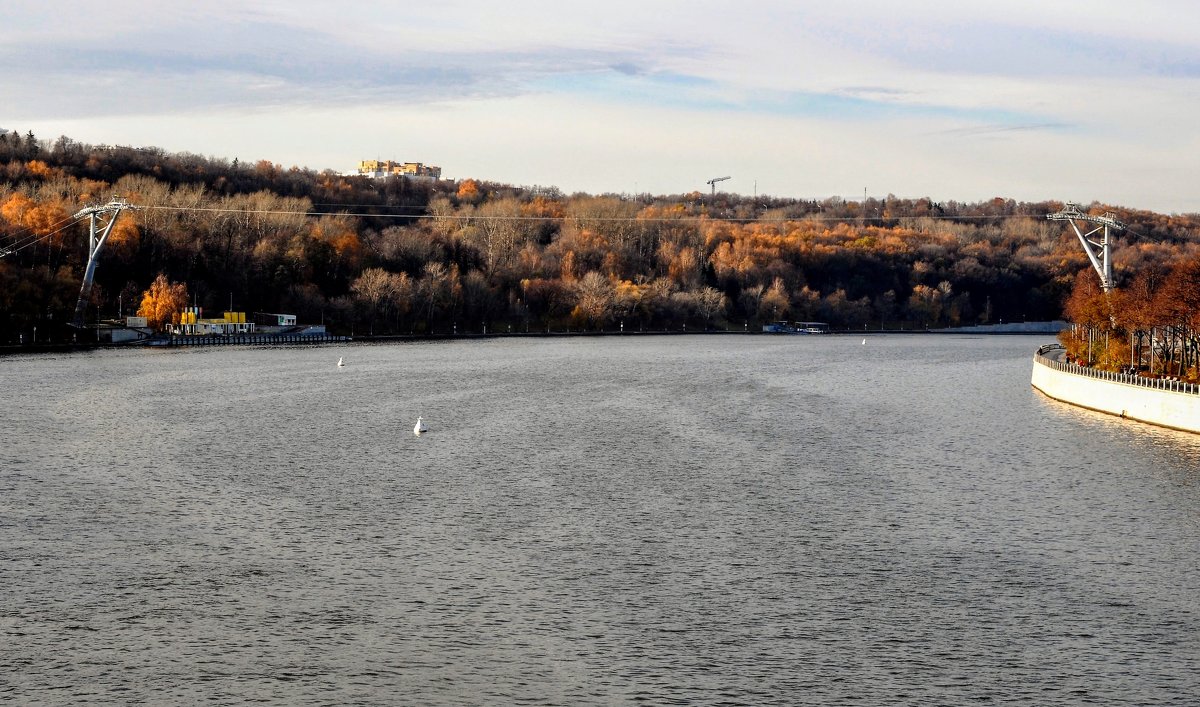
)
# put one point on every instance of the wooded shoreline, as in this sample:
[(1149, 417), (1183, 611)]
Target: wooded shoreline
[(403, 255)]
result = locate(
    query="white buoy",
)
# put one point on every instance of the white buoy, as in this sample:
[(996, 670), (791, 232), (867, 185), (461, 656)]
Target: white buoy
[(864, 343), (341, 363), (419, 427)]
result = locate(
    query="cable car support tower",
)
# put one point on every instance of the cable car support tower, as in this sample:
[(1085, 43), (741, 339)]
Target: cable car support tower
[(1101, 259), (101, 222)]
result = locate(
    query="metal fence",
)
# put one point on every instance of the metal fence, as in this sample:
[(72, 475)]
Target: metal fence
[(1173, 385), (252, 339)]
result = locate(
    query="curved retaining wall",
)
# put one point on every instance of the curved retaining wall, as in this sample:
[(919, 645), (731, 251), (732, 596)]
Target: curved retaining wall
[(1159, 402)]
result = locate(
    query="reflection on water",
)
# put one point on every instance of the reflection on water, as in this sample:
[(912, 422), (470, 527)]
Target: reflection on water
[(738, 520), (1148, 439)]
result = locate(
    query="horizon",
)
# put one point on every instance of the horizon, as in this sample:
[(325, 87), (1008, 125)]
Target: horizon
[(1073, 102)]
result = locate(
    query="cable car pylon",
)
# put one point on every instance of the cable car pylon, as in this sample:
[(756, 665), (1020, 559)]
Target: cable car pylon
[(101, 222), (1102, 260)]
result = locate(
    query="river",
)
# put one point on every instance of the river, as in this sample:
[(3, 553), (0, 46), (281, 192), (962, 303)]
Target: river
[(589, 521)]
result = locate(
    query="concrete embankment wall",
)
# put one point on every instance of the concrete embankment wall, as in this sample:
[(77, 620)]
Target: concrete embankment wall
[(1158, 402)]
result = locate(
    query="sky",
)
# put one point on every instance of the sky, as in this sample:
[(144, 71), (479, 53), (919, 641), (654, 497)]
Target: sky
[(966, 100)]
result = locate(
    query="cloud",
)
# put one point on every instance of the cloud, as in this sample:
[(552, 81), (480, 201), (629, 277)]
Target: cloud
[(628, 68), (876, 87), (982, 130), (309, 55), (268, 59)]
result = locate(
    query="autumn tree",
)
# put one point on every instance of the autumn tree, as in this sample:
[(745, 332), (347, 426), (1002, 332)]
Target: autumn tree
[(1177, 304), (344, 245), (469, 192), (615, 222), (774, 303), (925, 304), (163, 302), (546, 299), (851, 313), (1091, 309)]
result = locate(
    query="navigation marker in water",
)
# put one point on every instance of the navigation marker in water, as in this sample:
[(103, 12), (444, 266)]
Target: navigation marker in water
[(419, 427)]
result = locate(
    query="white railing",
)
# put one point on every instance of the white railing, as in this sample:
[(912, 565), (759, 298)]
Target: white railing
[(1173, 385)]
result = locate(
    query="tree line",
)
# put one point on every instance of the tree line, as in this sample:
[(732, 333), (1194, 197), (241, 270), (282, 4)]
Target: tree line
[(405, 255), (1150, 325)]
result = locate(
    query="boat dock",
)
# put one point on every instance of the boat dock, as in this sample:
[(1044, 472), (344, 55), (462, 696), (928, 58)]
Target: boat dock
[(248, 339)]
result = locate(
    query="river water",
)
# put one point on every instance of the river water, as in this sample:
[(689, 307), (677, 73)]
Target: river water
[(661, 520)]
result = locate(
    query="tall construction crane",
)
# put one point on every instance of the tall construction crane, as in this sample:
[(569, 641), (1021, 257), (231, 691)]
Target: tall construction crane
[(713, 183), (1102, 260)]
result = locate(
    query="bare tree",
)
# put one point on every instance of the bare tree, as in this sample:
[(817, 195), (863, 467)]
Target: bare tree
[(594, 298), (710, 302), (371, 289)]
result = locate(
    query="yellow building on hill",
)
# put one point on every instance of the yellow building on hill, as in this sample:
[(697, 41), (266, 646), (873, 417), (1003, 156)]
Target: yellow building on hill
[(379, 169)]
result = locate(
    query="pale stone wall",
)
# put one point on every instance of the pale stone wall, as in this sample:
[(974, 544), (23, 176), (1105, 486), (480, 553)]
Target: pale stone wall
[(1162, 402)]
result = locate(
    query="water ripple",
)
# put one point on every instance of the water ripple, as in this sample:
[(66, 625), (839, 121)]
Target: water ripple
[(691, 520)]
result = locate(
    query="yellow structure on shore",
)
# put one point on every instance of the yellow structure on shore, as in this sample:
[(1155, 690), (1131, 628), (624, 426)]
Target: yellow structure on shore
[(192, 322)]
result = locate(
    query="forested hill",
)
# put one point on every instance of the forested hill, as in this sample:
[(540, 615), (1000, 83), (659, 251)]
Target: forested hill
[(408, 255)]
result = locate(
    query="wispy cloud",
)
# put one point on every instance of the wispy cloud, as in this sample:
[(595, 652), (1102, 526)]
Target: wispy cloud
[(995, 129), (300, 71)]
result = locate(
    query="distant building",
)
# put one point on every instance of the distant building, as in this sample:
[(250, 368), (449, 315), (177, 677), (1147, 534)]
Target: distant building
[(114, 332), (380, 169), (193, 323), (269, 319), (796, 328)]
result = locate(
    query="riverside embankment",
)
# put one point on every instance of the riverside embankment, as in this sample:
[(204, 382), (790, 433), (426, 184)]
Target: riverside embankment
[(1157, 401)]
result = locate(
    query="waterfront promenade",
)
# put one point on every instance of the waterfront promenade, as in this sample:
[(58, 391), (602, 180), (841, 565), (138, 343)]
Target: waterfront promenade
[(1164, 401)]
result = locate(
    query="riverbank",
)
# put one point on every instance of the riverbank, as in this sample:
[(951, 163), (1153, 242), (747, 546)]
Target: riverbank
[(181, 341), (1156, 401), (174, 342)]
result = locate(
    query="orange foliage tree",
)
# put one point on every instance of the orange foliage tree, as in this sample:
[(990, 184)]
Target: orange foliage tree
[(124, 237), (42, 219), (162, 303), (468, 191), (39, 168), (1158, 307), (342, 237)]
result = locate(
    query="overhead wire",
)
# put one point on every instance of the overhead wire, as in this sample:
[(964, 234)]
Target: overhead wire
[(33, 239), (32, 234), (658, 219)]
